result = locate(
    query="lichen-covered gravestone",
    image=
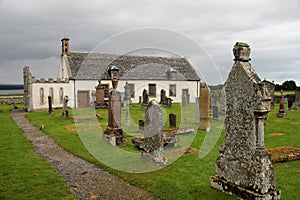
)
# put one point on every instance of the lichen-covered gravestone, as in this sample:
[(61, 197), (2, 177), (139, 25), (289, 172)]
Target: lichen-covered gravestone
[(153, 134), (205, 119), (244, 167)]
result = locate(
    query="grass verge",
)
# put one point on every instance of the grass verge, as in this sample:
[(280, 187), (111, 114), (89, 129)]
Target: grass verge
[(189, 176), (23, 173)]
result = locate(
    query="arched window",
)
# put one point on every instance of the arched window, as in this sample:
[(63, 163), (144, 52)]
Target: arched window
[(41, 95), (51, 94), (61, 95)]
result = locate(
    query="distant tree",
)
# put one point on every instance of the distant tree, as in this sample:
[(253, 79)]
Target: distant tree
[(289, 85), (278, 87)]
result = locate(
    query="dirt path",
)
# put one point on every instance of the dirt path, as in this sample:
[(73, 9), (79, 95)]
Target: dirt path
[(87, 180)]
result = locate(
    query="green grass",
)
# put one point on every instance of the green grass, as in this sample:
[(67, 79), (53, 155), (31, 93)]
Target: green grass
[(278, 93), (189, 176), (23, 174)]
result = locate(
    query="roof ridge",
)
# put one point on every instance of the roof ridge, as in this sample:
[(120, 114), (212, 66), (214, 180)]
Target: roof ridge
[(128, 55)]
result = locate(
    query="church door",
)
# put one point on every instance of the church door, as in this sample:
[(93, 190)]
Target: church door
[(83, 98)]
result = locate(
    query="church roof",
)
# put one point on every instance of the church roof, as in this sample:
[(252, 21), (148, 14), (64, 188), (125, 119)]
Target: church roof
[(91, 66)]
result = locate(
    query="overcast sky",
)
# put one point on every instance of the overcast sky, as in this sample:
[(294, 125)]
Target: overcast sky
[(31, 30)]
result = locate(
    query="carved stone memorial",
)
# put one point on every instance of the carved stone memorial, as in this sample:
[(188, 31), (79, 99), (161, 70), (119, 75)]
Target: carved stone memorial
[(153, 134), (163, 97), (204, 107), (50, 111), (172, 120), (99, 102), (65, 112), (114, 132), (244, 167), (281, 111)]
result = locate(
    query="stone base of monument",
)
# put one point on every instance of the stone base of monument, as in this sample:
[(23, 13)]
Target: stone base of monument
[(115, 137), (204, 123), (241, 192), (281, 114), (158, 157), (101, 105)]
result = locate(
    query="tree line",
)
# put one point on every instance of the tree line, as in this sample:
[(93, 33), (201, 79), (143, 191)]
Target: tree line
[(287, 85)]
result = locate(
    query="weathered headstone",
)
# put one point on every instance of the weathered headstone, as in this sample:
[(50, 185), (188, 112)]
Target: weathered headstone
[(145, 99), (197, 110), (297, 99), (172, 120), (163, 97), (50, 111), (153, 134), (215, 111), (127, 116), (204, 107), (281, 111), (128, 92), (184, 98), (99, 102), (65, 112), (169, 102), (141, 125), (244, 167)]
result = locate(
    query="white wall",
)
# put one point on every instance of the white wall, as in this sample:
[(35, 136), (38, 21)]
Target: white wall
[(140, 85), (67, 90)]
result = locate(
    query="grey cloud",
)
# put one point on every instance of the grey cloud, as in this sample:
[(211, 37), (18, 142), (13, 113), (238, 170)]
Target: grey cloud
[(31, 31)]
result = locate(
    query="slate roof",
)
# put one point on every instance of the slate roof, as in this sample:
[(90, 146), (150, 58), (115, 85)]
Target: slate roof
[(91, 66)]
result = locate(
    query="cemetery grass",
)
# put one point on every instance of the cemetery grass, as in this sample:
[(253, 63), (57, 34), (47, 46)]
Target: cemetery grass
[(23, 173), (189, 176)]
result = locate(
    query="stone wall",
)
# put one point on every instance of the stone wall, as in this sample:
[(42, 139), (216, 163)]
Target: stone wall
[(11, 100)]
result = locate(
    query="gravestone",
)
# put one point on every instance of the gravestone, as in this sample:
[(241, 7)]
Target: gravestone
[(244, 167), (153, 134), (172, 120), (215, 110), (127, 95), (197, 110), (297, 99), (99, 102), (141, 125), (281, 111), (127, 116), (145, 101), (50, 111), (163, 97), (222, 101), (65, 112), (204, 107), (114, 130), (184, 97), (169, 102)]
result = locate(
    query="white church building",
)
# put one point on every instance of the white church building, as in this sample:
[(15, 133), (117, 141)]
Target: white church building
[(79, 72)]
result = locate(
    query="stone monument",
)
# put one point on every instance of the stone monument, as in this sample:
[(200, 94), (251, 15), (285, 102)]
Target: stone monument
[(145, 101), (65, 112), (244, 167), (153, 134), (163, 97), (172, 120), (297, 99), (281, 111), (50, 111), (204, 107), (128, 92), (114, 132), (197, 110), (99, 102)]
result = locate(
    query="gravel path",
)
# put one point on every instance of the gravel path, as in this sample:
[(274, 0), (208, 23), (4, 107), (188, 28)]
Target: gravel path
[(87, 180)]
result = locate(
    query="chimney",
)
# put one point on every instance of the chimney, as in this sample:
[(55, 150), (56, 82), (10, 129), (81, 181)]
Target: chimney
[(65, 46)]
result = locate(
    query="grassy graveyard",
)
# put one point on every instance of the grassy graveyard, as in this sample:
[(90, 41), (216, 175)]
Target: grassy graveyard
[(23, 174), (189, 176)]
